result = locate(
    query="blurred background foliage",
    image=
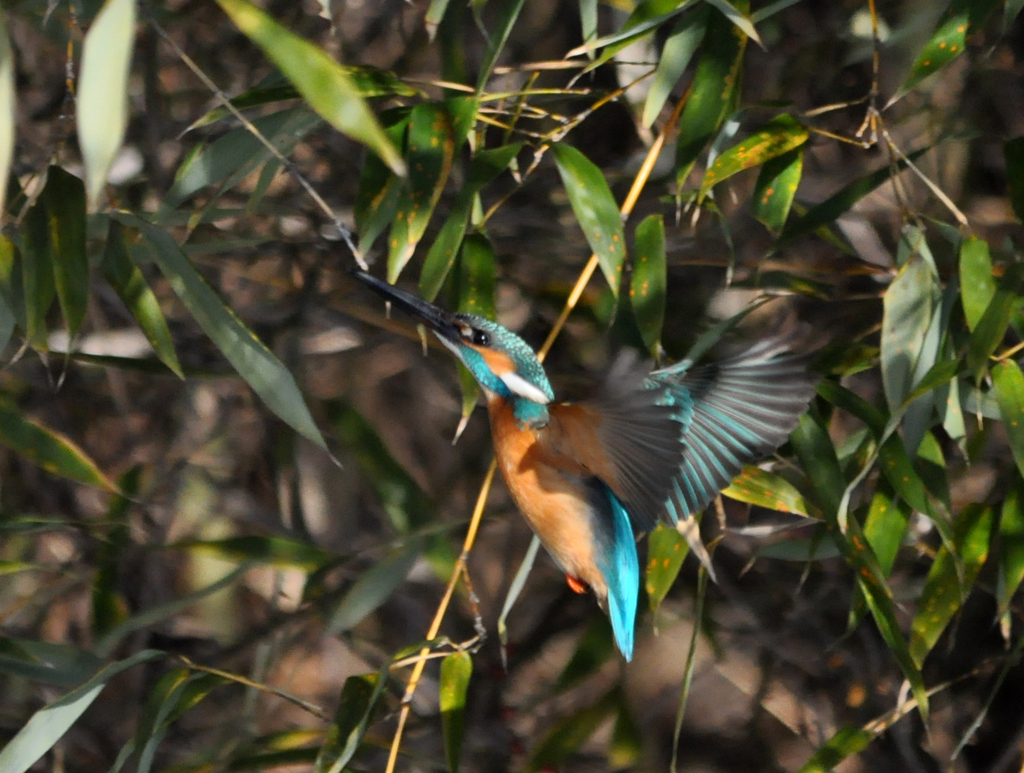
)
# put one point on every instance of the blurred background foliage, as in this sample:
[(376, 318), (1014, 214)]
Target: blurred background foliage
[(232, 520)]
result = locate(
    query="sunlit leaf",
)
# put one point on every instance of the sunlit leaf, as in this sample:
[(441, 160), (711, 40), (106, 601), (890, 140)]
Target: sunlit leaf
[(885, 525), (277, 551), (648, 282), (51, 722), (991, 328), (429, 150), (712, 92), (127, 281), (908, 305), (455, 672), (64, 200), (962, 18), (977, 284), (379, 187), (595, 209), (776, 187), (7, 107), (666, 549), (323, 83), (48, 449), (486, 165), (253, 361), (676, 54), (845, 743), (781, 135), (765, 489), (947, 585), (1009, 387), (738, 16), (102, 100), (358, 699)]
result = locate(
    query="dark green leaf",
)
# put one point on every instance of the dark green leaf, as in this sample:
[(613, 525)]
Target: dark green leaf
[(379, 187), (109, 607), (1011, 545), (37, 273), (595, 209), (776, 188), (991, 328), (648, 283), (358, 699), (502, 28), (63, 665)]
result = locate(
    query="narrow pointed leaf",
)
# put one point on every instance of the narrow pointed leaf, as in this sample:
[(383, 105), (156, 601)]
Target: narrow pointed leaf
[(845, 743), (676, 54), (50, 450), (962, 18), (50, 723), (37, 272), (738, 17), (991, 328), (429, 150), (497, 39), (253, 361), (102, 104), (765, 489), (947, 585), (373, 588), (648, 283), (455, 672), (258, 549), (712, 92), (977, 284), (64, 199), (359, 698), (379, 187), (127, 281), (486, 165), (514, 589), (666, 550), (109, 607), (885, 525), (7, 106), (1009, 387), (644, 19), (776, 188), (595, 210), (908, 307), (323, 83)]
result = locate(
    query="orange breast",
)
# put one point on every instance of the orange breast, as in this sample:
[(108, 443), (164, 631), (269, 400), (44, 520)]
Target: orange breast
[(553, 504)]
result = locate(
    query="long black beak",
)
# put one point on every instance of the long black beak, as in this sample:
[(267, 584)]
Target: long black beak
[(437, 319)]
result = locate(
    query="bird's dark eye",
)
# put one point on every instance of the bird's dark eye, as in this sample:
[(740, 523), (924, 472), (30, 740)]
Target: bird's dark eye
[(480, 338)]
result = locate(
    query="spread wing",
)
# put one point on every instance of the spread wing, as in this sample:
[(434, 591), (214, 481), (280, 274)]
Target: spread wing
[(735, 412), (628, 435)]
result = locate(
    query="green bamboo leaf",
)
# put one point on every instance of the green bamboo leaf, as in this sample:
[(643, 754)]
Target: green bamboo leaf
[(486, 165), (109, 607), (845, 743), (477, 277), (253, 361), (429, 150), (256, 549), (63, 665), (885, 525), (776, 187), (64, 202), (962, 18), (514, 589), (839, 203), (588, 20), (642, 21), (676, 54), (496, 41), (1011, 545), (379, 187), (816, 548), (1009, 387), (7, 107), (127, 281), (358, 699), (373, 588), (948, 584), (648, 283), (738, 16), (50, 723), (712, 92), (566, 736), (977, 284), (908, 307), (455, 672), (1013, 152), (595, 647), (48, 449), (37, 273), (323, 83), (102, 104), (765, 489), (238, 153), (666, 549), (595, 209), (991, 328)]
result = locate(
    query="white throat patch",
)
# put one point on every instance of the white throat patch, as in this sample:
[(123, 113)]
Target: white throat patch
[(520, 386)]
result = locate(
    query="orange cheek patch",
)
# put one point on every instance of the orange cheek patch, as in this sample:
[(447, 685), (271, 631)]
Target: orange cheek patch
[(498, 362)]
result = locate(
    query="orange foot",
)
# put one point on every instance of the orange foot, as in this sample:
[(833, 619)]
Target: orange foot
[(578, 586)]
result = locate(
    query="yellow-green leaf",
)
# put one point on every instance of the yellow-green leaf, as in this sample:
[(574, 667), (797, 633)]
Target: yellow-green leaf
[(776, 188), (323, 83), (977, 284), (49, 449), (666, 549), (429, 150), (765, 489), (595, 210), (455, 672), (1009, 386), (7, 105), (781, 135), (1011, 545), (102, 105)]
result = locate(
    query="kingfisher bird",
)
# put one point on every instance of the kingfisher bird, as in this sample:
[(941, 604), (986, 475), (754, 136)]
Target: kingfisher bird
[(648, 445)]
